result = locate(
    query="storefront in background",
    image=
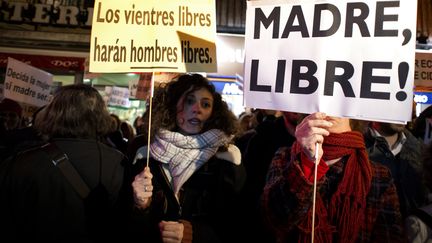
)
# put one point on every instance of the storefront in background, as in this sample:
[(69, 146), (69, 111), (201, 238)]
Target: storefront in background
[(423, 80)]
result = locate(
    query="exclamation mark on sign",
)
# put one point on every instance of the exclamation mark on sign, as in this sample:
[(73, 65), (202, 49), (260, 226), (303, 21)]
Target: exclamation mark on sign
[(403, 74)]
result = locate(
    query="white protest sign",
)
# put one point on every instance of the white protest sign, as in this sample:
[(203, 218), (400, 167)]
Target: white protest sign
[(346, 58), (27, 84), (133, 87), (153, 35), (118, 96)]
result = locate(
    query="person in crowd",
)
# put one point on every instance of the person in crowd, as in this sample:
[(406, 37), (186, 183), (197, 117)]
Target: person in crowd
[(187, 193), (246, 131), (418, 225), (127, 130), (356, 199), (37, 201), (115, 138), (138, 125), (10, 114), (395, 147), (10, 118), (16, 140), (422, 37), (422, 128), (269, 136)]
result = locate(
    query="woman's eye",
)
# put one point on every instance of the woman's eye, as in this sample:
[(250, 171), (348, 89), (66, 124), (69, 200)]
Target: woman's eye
[(190, 100), (206, 104)]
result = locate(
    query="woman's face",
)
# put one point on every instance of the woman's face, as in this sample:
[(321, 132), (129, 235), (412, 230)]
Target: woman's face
[(193, 110)]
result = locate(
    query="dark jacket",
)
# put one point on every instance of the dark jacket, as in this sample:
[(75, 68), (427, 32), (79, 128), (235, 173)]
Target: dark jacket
[(270, 135), (37, 202), (405, 168), (206, 200)]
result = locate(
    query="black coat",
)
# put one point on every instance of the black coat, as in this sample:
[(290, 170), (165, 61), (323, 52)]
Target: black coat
[(37, 202), (207, 200), (406, 169)]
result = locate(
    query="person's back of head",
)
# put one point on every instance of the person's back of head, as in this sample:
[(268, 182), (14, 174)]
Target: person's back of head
[(127, 130), (76, 111)]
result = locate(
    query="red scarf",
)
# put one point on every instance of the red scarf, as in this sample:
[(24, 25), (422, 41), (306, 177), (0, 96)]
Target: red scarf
[(346, 211)]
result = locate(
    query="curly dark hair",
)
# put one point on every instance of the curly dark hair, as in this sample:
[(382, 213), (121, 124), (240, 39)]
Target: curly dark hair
[(164, 106), (76, 111)]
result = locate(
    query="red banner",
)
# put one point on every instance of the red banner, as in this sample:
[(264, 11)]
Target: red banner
[(57, 63)]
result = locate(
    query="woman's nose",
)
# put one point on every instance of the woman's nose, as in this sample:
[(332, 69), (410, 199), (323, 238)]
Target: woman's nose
[(196, 108)]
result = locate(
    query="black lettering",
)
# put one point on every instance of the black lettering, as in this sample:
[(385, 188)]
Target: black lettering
[(368, 79), (380, 18), (316, 30), (280, 76), (359, 20), (254, 79), (296, 76), (296, 12), (261, 18), (342, 79)]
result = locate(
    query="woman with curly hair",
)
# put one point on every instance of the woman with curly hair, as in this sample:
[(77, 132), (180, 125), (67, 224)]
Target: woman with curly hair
[(186, 194)]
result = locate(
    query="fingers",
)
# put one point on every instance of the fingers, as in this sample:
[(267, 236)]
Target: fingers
[(311, 131), (143, 188), (171, 231)]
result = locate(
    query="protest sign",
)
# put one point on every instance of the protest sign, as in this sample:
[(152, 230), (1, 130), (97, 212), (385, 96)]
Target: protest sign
[(117, 96), (145, 83), (27, 84), (346, 58), (133, 87), (144, 88), (145, 36)]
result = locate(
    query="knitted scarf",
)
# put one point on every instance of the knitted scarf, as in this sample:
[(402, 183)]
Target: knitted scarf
[(346, 210), (185, 154)]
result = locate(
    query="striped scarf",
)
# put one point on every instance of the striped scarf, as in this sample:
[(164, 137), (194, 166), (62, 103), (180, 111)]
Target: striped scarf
[(185, 154)]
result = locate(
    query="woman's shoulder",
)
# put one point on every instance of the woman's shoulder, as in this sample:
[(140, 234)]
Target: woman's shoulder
[(231, 154)]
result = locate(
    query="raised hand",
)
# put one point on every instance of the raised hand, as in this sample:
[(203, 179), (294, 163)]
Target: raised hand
[(143, 188), (310, 131)]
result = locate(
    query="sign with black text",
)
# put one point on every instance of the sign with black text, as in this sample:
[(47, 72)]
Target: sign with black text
[(345, 58), (153, 35), (27, 84)]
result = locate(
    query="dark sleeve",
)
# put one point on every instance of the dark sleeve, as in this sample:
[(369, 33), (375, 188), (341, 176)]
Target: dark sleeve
[(287, 194), (223, 221), (135, 223), (388, 225)]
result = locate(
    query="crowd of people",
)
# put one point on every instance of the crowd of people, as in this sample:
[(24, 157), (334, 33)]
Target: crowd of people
[(201, 174)]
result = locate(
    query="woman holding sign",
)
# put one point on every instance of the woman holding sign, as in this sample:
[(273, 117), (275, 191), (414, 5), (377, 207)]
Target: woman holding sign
[(186, 194), (356, 199)]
